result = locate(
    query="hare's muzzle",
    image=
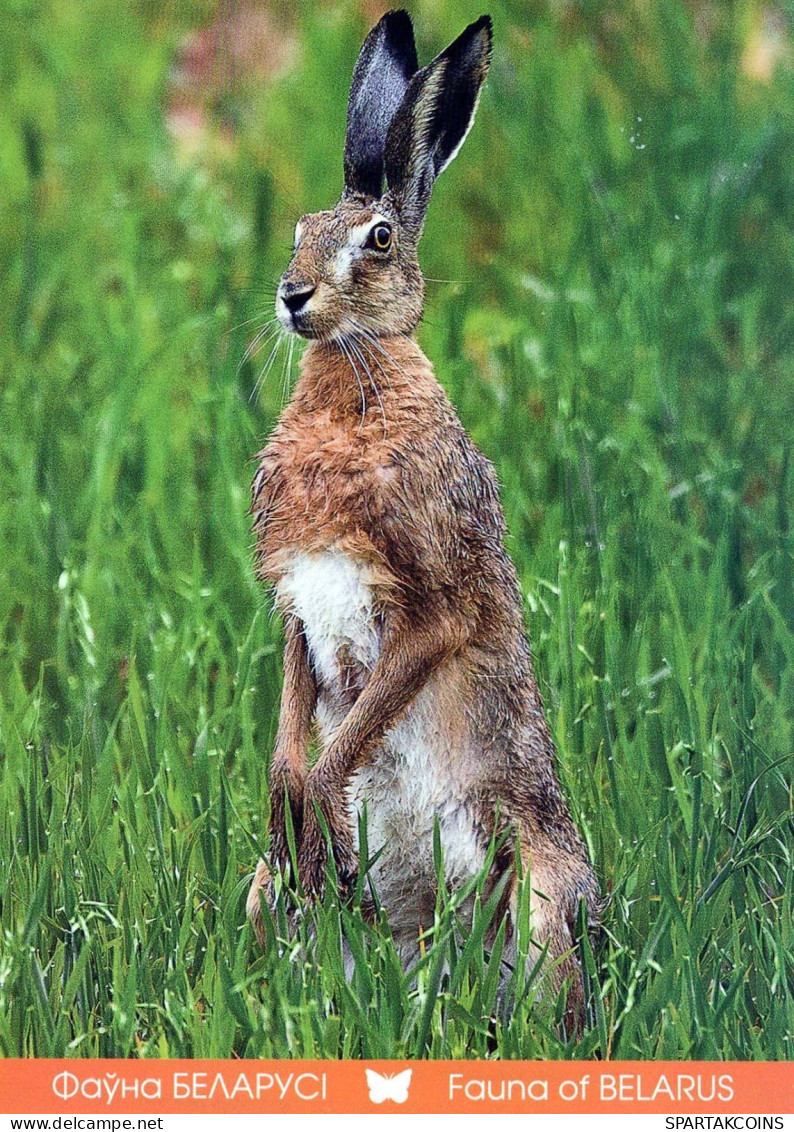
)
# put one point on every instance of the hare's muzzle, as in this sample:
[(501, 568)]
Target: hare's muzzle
[(293, 301)]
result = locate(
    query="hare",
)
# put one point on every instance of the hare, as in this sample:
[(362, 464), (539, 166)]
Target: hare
[(379, 525)]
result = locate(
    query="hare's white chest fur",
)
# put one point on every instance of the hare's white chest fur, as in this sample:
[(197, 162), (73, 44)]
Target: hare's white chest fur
[(420, 774), (330, 594)]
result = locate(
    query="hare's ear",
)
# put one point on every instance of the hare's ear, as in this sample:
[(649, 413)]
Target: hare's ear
[(383, 71), (433, 120)]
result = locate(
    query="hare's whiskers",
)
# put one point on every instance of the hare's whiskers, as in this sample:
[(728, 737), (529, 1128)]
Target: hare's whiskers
[(378, 345), (365, 342), (248, 321), (342, 345), (355, 341), (284, 377), (365, 336), (263, 335), (274, 338), (286, 373), (273, 333), (266, 368), (354, 345)]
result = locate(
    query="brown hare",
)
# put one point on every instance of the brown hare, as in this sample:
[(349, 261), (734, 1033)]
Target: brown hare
[(379, 525)]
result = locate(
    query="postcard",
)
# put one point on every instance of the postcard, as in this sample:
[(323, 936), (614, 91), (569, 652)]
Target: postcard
[(396, 562)]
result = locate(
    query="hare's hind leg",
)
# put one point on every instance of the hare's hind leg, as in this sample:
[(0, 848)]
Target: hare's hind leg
[(261, 889), (558, 881)]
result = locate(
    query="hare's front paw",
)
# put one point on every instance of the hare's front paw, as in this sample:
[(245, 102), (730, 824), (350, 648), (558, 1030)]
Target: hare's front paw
[(286, 796), (313, 855)]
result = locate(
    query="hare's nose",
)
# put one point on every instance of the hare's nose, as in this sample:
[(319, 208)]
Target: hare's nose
[(296, 298)]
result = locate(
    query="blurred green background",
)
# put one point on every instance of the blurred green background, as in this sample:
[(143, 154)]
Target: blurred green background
[(612, 265)]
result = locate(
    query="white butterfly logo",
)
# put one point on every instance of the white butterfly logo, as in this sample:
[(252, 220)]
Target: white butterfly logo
[(388, 1088)]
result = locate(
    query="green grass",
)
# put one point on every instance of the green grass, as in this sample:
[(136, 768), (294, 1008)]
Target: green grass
[(619, 342)]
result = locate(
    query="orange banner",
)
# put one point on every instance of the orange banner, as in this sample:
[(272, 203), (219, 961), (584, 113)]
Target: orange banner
[(347, 1087)]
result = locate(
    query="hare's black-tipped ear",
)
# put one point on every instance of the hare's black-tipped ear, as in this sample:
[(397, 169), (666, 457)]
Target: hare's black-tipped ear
[(384, 69), (433, 120)]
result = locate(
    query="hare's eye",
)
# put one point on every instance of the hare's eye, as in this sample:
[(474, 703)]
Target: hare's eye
[(380, 237)]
